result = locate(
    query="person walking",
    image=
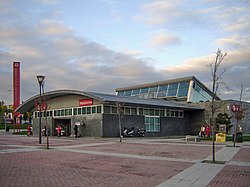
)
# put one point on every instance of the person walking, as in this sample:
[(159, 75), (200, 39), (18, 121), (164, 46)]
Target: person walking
[(76, 130)]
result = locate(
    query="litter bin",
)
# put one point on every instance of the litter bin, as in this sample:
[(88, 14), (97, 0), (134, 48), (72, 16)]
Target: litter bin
[(7, 129), (239, 137)]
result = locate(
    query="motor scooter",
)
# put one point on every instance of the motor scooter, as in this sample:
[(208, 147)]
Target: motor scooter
[(128, 132), (140, 132)]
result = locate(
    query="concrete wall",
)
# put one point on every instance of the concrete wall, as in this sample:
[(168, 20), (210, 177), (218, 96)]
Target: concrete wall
[(92, 125), (111, 123)]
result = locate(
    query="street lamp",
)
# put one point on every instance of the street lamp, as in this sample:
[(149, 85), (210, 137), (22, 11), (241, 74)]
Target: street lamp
[(40, 79)]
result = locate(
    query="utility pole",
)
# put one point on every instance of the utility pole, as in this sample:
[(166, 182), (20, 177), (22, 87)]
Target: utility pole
[(238, 115)]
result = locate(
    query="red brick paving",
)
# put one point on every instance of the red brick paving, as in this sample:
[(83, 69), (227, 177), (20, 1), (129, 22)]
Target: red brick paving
[(231, 176), (58, 168), (162, 150), (243, 155), (55, 168)]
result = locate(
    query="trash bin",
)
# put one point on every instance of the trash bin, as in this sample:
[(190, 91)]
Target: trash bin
[(7, 129), (239, 137)]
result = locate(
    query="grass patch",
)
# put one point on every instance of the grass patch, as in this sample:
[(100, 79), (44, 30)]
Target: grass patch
[(20, 133)]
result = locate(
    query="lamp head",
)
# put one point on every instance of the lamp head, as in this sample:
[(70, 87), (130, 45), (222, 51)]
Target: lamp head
[(40, 79)]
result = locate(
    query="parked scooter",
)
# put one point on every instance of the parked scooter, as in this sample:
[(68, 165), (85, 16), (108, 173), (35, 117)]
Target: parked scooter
[(140, 132), (128, 132)]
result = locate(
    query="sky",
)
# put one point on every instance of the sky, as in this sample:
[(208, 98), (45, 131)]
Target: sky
[(100, 45)]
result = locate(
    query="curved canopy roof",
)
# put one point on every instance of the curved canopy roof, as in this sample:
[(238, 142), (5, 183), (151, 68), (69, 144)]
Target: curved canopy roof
[(29, 104)]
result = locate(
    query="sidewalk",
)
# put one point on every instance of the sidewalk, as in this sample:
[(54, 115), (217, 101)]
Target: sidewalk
[(107, 162)]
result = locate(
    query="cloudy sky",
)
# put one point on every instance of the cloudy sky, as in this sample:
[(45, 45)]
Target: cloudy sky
[(99, 45)]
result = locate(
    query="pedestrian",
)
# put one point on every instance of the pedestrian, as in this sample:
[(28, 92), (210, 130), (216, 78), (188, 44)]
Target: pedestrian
[(207, 131), (76, 130), (29, 130), (59, 131), (202, 131)]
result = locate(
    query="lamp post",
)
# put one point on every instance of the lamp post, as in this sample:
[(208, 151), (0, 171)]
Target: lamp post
[(40, 79)]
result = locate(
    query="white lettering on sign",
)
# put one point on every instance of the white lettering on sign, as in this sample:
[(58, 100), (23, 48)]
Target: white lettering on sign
[(85, 102)]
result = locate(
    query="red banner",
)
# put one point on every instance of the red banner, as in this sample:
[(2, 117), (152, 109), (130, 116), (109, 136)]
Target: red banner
[(85, 102), (16, 85)]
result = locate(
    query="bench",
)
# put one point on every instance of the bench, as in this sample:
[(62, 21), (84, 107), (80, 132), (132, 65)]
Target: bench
[(193, 138)]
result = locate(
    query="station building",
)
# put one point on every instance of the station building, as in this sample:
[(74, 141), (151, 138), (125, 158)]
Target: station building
[(165, 108)]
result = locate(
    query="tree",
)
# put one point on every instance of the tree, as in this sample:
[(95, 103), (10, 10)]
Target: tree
[(224, 118), (216, 82)]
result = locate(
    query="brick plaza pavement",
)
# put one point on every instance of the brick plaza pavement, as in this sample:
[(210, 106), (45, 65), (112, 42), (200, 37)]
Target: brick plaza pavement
[(107, 162)]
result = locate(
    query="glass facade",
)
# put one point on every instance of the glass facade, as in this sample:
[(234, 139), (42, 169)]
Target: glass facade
[(177, 90)]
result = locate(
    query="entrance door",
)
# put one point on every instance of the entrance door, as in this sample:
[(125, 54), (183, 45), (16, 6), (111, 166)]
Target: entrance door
[(65, 125)]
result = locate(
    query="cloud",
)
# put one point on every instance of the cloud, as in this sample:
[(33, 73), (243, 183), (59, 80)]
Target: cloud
[(163, 40)]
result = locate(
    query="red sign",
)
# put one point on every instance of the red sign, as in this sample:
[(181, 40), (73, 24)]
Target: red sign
[(85, 102), (236, 108)]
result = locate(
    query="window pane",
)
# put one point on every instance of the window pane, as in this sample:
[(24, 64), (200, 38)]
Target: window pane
[(153, 89), (66, 112), (146, 119), (151, 112), (70, 111), (133, 111), (163, 88), (172, 113), (167, 113), (79, 111), (157, 120), (128, 93), (93, 109), (99, 109), (62, 112), (141, 111), (114, 110), (183, 89), (120, 93), (75, 111), (127, 111), (135, 92), (172, 89), (176, 114), (107, 109), (88, 110), (144, 90), (145, 111), (84, 110), (157, 112), (162, 113)]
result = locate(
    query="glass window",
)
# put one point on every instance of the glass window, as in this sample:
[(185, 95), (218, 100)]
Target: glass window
[(167, 113), (133, 111), (151, 112), (79, 111), (84, 111), (172, 113), (144, 90), (152, 124), (172, 90), (107, 109), (127, 111), (70, 111), (66, 112), (141, 111), (145, 111), (93, 109), (120, 93), (128, 93), (163, 88), (114, 110), (50, 113), (183, 89), (135, 92), (88, 110), (99, 109), (62, 112), (161, 94), (176, 114), (162, 113), (157, 112), (181, 114), (75, 111), (153, 89)]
